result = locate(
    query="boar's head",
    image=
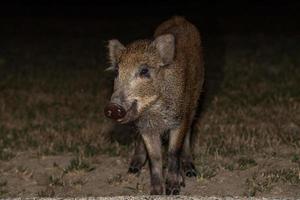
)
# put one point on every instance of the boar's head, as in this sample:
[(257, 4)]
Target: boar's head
[(139, 69)]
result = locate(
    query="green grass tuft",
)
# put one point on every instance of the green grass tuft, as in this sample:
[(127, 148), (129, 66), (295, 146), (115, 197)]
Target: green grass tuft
[(47, 192), (56, 180), (245, 163), (266, 180), (3, 183), (296, 158), (77, 164)]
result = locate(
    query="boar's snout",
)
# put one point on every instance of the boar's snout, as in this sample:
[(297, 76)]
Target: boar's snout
[(114, 111)]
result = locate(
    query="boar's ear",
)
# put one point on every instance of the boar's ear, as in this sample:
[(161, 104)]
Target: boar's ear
[(165, 44), (115, 49)]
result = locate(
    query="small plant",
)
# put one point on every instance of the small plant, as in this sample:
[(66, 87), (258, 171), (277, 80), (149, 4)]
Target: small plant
[(6, 155), (2, 185), (206, 172), (245, 163), (116, 179), (253, 186), (78, 164), (284, 175), (296, 158), (56, 180), (90, 150), (265, 181), (48, 192), (229, 166), (2, 61), (79, 182)]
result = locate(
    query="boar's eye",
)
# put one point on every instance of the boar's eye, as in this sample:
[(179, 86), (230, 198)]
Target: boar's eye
[(144, 72)]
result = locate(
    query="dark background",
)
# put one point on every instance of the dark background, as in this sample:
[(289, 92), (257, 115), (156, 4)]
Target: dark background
[(77, 31), (147, 8), (228, 16)]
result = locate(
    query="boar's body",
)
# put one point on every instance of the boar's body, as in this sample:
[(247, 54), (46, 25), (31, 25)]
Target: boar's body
[(181, 82), (158, 85)]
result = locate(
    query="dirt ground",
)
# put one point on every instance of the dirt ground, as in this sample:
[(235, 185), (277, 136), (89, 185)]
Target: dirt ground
[(32, 175)]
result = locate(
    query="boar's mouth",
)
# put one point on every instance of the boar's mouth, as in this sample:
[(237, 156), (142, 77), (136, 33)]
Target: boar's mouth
[(131, 114)]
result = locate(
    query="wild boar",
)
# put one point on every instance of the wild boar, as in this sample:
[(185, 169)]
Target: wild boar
[(157, 86)]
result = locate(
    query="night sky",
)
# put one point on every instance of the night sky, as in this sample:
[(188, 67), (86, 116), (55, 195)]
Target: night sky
[(147, 8), (244, 16)]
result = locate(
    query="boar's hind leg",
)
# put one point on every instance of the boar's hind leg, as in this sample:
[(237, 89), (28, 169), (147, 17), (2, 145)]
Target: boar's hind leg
[(174, 177), (139, 158), (152, 142), (186, 157)]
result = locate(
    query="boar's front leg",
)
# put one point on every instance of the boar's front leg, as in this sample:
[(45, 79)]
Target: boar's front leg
[(139, 157), (152, 142), (174, 177)]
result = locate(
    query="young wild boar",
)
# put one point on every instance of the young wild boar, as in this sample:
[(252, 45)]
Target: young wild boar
[(157, 86)]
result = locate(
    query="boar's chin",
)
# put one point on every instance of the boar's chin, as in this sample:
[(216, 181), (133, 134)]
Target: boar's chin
[(131, 114)]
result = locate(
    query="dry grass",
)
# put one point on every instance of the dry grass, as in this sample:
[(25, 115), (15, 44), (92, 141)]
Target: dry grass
[(3, 183), (258, 106), (266, 180)]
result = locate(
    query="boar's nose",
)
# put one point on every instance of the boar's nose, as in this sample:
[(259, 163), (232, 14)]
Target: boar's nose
[(114, 111)]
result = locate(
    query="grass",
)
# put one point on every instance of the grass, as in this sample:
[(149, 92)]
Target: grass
[(45, 112), (6, 154), (242, 163), (56, 181), (116, 179), (47, 192), (62, 107), (245, 163), (258, 103), (78, 164), (295, 158), (3, 183), (266, 180), (206, 172)]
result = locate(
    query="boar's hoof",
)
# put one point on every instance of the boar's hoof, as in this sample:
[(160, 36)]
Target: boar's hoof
[(156, 190), (114, 111), (136, 165), (189, 169), (172, 191), (191, 173), (172, 188), (133, 169)]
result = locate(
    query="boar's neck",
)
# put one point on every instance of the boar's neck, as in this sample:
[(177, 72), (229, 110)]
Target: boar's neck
[(159, 117)]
